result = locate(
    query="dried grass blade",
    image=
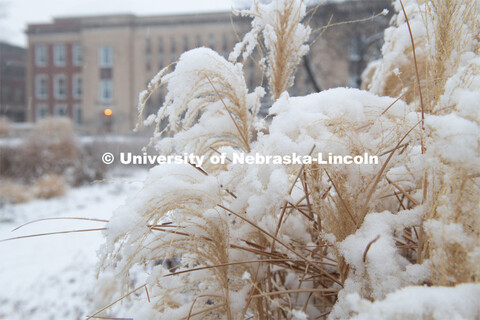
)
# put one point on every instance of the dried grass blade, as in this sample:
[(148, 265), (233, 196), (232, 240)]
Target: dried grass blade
[(59, 218), (119, 299), (51, 233), (384, 166)]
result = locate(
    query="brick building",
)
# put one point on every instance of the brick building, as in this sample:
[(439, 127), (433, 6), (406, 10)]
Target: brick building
[(81, 66), (13, 61)]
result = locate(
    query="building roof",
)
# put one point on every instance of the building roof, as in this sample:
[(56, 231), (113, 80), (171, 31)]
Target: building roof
[(12, 52), (75, 24)]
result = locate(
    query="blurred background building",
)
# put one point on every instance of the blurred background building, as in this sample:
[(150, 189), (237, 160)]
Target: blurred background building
[(92, 69), (13, 61)]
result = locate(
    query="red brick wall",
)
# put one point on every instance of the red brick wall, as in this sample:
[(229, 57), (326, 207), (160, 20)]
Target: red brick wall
[(51, 70)]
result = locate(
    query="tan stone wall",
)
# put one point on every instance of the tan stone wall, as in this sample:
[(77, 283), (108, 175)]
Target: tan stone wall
[(128, 35), (120, 39), (177, 34)]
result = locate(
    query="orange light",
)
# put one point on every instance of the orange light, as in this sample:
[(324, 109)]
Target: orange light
[(108, 112)]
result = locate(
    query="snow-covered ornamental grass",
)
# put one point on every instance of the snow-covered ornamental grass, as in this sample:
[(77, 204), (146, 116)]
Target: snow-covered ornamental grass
[(399, 239)]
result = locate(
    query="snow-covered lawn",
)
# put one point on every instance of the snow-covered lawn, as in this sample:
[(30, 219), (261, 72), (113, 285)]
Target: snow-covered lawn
[(52, 277)]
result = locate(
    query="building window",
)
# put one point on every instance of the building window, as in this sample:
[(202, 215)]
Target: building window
[(59, 55), (160, 46), (160, 62), (106, 57), (173, 50), (211, 40), (41, 111), (198, 40), (18, 95), (148, 62), (77, 114), (185, 44), (148, 45), (40, 55), (60, 86), (148, 54), (77, 86), (106, 90), (41, 86), (7, 93), (225, 46), (77, 54), (60, 110), (160, 54)]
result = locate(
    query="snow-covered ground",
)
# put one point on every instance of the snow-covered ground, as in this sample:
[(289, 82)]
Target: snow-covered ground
[(52, 277)]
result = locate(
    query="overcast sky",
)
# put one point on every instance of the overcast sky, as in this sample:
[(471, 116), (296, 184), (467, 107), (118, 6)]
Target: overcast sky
[(16, 14)]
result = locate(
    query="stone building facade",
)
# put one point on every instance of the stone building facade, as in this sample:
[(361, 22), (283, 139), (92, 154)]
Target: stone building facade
[(81, 66), (13, 61)]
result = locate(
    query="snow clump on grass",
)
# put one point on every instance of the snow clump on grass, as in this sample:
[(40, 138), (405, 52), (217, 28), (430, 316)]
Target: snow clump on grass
[(308, 241)]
